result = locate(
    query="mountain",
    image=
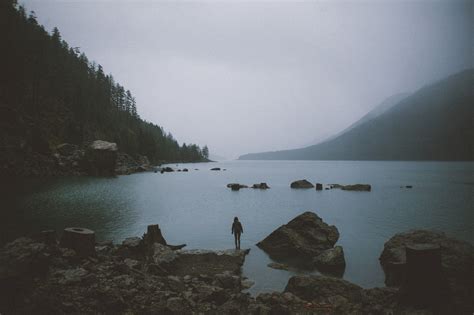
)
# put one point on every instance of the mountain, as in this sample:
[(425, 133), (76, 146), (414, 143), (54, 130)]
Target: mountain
[(50, 93), (375, 112), (435, 123)]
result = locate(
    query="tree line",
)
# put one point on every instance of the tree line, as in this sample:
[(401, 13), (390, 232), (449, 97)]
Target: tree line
[(62, 96)]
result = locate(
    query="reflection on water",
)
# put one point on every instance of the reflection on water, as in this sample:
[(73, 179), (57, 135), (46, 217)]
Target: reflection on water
[(196, 207)]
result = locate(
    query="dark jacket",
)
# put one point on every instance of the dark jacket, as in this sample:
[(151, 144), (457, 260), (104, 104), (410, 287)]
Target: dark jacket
[(237, 228)]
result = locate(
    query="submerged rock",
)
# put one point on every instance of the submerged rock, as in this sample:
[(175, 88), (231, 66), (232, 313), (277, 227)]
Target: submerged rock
[(236, 186), (306, 236), (260, 186), (355, 187), (279, 266), (302, 183)]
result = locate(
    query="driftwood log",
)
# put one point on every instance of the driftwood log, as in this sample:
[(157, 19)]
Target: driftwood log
[(81, 240)]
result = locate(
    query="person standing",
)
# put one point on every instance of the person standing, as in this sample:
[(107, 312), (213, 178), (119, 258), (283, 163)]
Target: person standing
[(237, 229)]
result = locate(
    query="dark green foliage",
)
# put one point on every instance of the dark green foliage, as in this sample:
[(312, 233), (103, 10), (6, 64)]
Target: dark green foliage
[(60, 96), (435, 123)]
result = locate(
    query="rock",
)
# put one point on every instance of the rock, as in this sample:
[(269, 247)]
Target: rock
[(247, 284), (319, 186), (457, 259), (47, 237), (185, 170), (320, 289), (166, 169), (207, 262), (81, 240), (66, 149), (23, 257), (163, 256), (216, 169), (331, 260), (69, 276), (131, 247), (101, 158), (227, 280), (408, 186), (236, 186), (306, 236), (357, 187), (303, 183), (260, 186), (279, 266), (176, 305)]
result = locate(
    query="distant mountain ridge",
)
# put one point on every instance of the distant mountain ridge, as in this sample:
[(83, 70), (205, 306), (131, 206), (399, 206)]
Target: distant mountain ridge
[(435, 123)]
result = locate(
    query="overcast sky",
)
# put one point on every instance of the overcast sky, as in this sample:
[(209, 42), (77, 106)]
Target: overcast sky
[(256, 76)]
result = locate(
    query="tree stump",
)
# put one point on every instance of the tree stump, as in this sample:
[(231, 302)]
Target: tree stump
[(319, 186), (153, 235), (81, 240), (423, 286)]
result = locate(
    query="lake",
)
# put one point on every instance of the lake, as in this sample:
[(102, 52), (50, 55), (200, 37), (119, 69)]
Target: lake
[(197, 208)]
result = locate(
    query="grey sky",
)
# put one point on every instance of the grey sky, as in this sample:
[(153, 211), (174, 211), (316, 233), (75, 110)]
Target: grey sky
[(256, 76)]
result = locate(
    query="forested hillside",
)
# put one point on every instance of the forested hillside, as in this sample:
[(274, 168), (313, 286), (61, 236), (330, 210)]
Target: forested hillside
[(435, 123), (51, 93)]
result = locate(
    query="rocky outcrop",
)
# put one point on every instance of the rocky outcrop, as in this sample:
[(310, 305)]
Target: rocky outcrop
[(127, 165), (457, 259), (260, 186), (302, 183), (304, 237), (45, 278), (101, 157)]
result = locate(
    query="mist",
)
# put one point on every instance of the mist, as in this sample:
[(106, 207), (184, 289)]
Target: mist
[(260, 76)]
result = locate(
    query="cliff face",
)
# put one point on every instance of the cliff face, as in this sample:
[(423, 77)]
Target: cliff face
[(434, 123)]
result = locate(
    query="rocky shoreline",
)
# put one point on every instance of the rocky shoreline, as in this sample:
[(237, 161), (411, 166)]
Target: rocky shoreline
[(146, 275)]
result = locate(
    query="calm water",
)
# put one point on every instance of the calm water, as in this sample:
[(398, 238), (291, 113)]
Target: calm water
[(196, 207)]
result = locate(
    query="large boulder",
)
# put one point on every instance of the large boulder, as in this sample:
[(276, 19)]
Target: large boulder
[(302, 183), (306, 236), (331, 260), (101, 157), (236, 186), (457, 261)]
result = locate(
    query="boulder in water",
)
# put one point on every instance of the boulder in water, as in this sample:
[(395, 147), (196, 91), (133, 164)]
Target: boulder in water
[(306, 236), (302, 183), (260, 186)]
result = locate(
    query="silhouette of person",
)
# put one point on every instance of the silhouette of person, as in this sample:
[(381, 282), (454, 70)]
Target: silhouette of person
[(237, 229)]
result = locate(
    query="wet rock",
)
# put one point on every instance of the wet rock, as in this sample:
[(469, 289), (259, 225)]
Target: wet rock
[(306, 236), (247, 284), (185, 170), (215, 169), (166, 169), (319, 186), (303, 183), (236, 186), (357, 187), (331, 259), (279, 266), (260, 186)]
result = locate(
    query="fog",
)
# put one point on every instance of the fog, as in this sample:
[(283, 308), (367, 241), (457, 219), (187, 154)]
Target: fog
[(257, 76)]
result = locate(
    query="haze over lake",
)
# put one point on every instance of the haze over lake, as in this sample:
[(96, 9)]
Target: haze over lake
[(197, 208)]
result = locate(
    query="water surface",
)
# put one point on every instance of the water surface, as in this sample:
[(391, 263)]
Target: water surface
[(196, 207)]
